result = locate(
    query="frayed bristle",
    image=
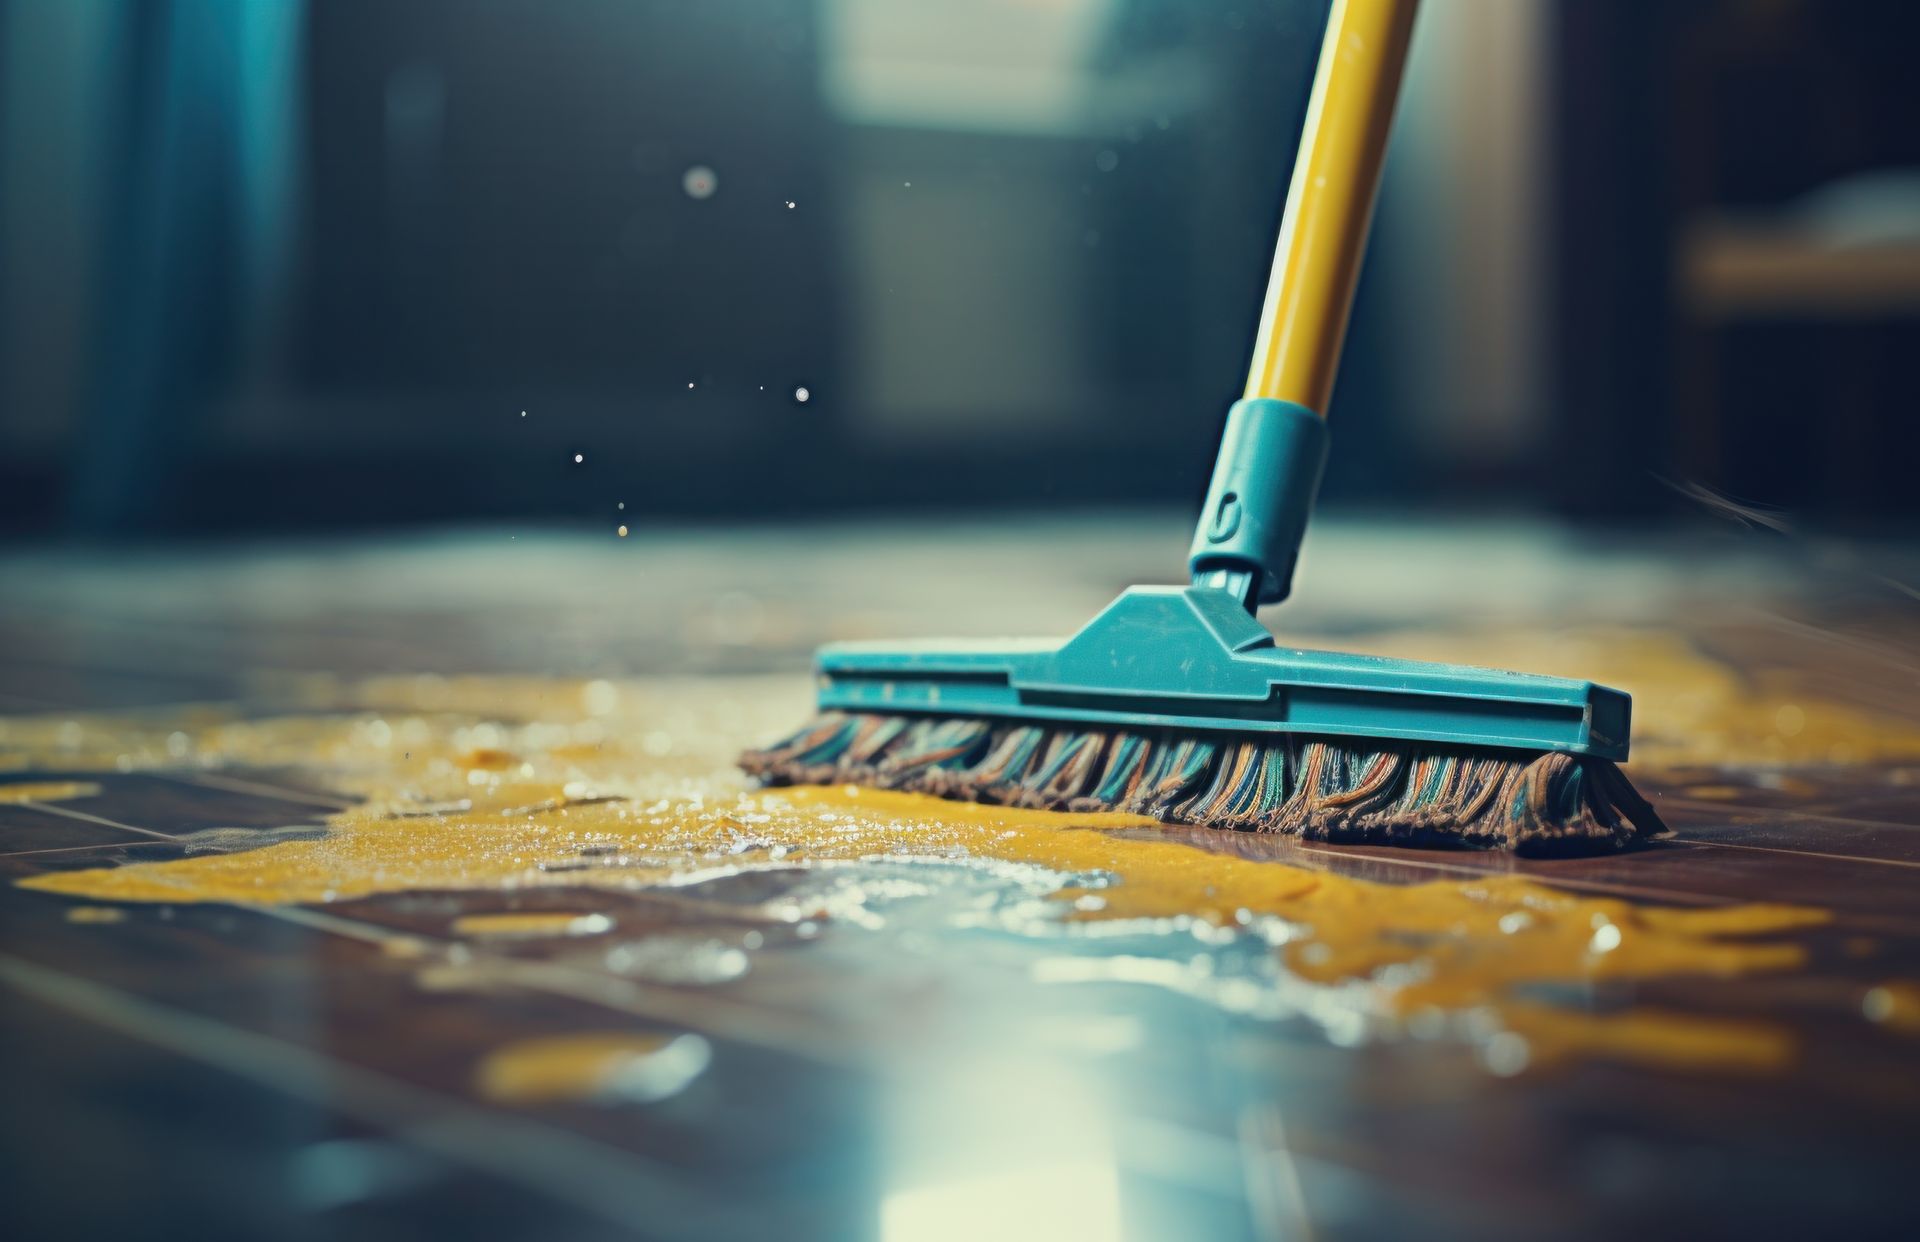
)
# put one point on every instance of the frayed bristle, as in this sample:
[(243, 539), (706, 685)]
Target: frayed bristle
[(1409, 794)]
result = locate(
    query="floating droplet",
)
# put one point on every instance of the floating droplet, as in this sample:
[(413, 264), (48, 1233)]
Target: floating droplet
[(699, 181), (621, 531), (578, 458), (801, 395)]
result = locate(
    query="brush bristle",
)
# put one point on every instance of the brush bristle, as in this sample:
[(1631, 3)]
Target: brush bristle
[(1322, 789)]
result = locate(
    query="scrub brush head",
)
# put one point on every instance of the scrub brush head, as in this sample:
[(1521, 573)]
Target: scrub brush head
[(1346, 790)]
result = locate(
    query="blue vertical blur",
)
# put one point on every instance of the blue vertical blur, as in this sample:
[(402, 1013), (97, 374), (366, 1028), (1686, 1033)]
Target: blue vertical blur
[(196, 169)]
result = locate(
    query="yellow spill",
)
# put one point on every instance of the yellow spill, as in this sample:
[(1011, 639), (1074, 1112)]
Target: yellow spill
[(564, 1067), (1677, 1041), (1715, 793), (500, 785), (516, 926), (1459, 944), (486, 759), (1688, 709), (48, 791), (405, 948)]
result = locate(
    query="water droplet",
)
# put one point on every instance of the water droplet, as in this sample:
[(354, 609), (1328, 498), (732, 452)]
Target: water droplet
[(621, 531), (523, 413), (790, 204), (1605, 940), (621, 505), (578, 458), (699, 181), (801, 395)]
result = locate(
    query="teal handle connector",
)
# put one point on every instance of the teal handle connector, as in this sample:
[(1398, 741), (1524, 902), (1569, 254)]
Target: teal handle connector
[(1264, 483)]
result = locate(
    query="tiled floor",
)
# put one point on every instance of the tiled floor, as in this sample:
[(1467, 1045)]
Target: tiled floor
[(897, 1072)]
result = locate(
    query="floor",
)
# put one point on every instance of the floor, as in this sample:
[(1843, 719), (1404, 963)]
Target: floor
[(376, 887)]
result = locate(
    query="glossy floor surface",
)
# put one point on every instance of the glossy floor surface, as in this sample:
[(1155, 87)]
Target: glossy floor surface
[(399, 887)]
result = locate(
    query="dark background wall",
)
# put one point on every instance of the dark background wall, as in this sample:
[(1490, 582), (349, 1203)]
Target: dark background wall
[(283, 265)]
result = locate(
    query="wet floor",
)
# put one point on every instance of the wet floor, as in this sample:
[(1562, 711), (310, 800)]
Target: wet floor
[(528, 942)]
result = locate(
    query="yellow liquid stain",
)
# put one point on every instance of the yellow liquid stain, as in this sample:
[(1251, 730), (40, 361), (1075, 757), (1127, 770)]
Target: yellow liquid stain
[(1688, 709), (532, 925), (501, 785), (95, 914), (590, 1067), (1676, 1041), (1467, 944), (1715, 793), (47, 791)]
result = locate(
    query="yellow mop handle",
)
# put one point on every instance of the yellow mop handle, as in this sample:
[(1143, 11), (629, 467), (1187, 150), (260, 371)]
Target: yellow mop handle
[(1323, 233)]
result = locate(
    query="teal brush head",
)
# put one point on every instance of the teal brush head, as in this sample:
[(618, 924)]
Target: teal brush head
[(1175, 703), (1192, 658)]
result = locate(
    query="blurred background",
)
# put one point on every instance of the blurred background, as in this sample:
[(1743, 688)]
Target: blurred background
[(302, 265)]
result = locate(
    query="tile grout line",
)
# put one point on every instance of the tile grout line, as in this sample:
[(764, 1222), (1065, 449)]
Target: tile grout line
[(1720, 809), (51, 809), (82, 849), (575, 1170), (1775, 849), (729, 1020), (260, 788), (1566, 882), (1668, 896), (631, 998)]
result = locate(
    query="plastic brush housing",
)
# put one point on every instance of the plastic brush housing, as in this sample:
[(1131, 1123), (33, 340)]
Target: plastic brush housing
[(1193, 659), (1176, 703)]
